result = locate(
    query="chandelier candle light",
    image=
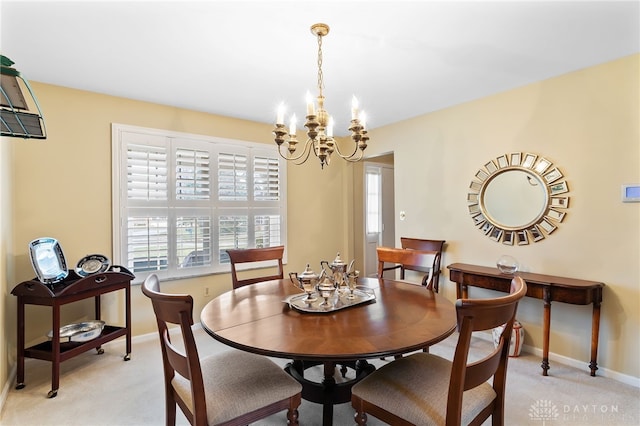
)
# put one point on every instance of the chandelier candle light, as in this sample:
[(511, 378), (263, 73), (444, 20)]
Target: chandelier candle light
[(319, 124)]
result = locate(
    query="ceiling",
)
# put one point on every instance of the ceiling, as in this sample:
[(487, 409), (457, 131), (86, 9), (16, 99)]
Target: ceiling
[(241, 59)]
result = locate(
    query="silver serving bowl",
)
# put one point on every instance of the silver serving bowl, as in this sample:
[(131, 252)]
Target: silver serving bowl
[(79, 332)]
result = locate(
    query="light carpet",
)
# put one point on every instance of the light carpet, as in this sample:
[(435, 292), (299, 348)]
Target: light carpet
[(105, 390)]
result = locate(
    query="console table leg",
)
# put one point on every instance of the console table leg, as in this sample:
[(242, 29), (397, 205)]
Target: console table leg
[(546, 331), (595, 330)]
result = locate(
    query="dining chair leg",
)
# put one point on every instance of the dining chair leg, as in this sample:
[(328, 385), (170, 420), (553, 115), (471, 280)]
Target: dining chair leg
[(170, 413), (292, 415), (360, 415)]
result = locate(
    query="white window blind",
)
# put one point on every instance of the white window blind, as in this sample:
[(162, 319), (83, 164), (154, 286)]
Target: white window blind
[(146, 172), (180, 201), (193, 241), (266, 179), (267, 231), (147, 247), (234, 233), (192, 174), (232, 177)]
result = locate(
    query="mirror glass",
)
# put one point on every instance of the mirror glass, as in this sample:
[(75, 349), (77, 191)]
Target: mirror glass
[(518, 198), (514, 199)]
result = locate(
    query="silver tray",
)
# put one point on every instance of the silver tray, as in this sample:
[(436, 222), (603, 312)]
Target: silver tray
[(48, 260), (336, 302), (80, 332)]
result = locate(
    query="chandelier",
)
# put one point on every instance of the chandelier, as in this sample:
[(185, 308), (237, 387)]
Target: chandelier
[(320, 125)]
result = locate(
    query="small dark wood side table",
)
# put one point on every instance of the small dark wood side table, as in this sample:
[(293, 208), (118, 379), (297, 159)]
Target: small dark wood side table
[(72, 289), (545, 287)]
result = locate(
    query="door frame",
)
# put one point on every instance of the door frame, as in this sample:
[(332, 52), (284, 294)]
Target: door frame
[(387, 234)]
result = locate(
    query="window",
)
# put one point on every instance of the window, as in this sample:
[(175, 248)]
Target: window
[(181, 200), (373, 189)]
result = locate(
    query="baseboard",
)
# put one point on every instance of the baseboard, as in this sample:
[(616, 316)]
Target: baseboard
[(5, 389), (579, 364)]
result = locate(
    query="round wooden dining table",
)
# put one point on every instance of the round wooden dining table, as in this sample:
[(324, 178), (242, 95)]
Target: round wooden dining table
[(403, 317)]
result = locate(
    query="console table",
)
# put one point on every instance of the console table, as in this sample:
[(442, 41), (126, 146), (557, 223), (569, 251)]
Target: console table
[(545, 287), (71, 289)]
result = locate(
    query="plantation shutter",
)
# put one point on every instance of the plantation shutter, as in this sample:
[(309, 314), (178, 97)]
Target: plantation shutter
[(181, 200), (193, 241), (147, 173), (147, 242), (232, 177), (233, 232), (266, 179), (192, 174)]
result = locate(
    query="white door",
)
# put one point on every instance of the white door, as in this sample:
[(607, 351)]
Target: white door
[(378, 213)]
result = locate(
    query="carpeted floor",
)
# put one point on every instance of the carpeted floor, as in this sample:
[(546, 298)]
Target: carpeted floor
[(105, 390)]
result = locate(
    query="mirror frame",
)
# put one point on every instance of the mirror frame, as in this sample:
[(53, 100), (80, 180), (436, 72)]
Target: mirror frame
[(543, 225)]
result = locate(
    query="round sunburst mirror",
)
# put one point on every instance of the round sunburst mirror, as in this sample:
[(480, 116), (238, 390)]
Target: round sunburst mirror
[(518, 198)]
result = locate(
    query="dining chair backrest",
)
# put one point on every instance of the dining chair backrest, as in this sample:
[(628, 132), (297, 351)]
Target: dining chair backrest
[(480, 315), (177, 309), (412, 390), (240, 256), (428, 245), (410, 259)]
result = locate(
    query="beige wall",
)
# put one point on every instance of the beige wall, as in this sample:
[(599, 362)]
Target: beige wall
[(64, 192), (587, 124), (6, 264)]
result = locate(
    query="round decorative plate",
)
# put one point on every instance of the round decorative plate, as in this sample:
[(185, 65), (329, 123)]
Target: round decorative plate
[(92, 264)]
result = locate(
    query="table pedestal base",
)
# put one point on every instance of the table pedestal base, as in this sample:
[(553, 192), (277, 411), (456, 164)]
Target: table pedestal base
[(328, 392)]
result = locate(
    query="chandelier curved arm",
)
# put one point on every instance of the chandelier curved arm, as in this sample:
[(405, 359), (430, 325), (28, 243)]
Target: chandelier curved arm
[(346, 157), (354, 160), (306, 151)]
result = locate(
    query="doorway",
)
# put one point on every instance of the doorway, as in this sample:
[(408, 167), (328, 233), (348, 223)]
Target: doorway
[(378, 216)]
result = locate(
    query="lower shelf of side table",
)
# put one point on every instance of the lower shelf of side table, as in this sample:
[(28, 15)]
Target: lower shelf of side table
[(44, 350)]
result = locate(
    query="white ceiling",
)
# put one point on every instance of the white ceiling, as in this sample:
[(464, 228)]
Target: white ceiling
[(241, 58)]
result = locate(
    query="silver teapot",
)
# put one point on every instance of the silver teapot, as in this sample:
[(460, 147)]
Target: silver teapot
[(307, 277), (306, 280), (339, 269)]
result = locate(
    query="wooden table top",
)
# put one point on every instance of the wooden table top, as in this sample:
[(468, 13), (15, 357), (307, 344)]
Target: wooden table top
[(404, 317)]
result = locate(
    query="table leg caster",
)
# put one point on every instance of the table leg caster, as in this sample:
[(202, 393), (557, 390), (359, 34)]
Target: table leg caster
[(127, 357), (20, 386), (52, 393), (99, 350)]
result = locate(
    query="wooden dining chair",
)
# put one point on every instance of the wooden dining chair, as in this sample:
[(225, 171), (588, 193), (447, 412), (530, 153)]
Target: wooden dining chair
[(239, 256), (390, 258), (425, 389), (228, 388), (416, 260), (426, 245)]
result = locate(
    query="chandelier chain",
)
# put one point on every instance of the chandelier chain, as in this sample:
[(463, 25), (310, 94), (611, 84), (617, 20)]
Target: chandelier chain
[(320, 76)]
